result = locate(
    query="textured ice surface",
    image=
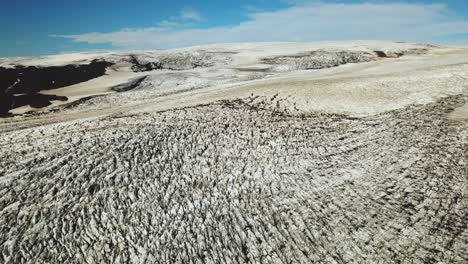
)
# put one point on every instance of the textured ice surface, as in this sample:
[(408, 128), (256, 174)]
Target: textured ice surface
[(241, 182), (256, 154)]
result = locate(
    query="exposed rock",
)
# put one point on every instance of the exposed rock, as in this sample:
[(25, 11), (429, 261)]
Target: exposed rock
[(34, 79), (36, 100), (130, 85), (6, 102), (21, 85), (380, 54)]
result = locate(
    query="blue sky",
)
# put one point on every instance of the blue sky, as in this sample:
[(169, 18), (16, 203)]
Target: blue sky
[(31, 27)]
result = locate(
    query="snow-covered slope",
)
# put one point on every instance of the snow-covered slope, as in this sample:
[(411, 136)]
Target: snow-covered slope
[(178, 70), (244, 53)]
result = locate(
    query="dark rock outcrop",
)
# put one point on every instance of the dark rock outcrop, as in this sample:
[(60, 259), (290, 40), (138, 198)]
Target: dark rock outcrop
[(27, 82), (34, 79), (132, 84)]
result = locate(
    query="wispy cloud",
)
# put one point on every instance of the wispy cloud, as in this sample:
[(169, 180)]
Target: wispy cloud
[(301, 21), (189, 13), (187, 17), (169, 24)]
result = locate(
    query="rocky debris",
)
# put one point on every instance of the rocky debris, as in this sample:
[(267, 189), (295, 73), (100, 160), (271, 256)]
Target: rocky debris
[(132, 84), (169, 83), (416, 51), (400, 53), (238, 181), (177, 61), (155, 85), (318, 59), (78, 102)]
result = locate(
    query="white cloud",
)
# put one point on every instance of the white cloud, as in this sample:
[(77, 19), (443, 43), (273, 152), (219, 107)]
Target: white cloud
[(189, 13), (169, 24), (301, 22), (186, 17)]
